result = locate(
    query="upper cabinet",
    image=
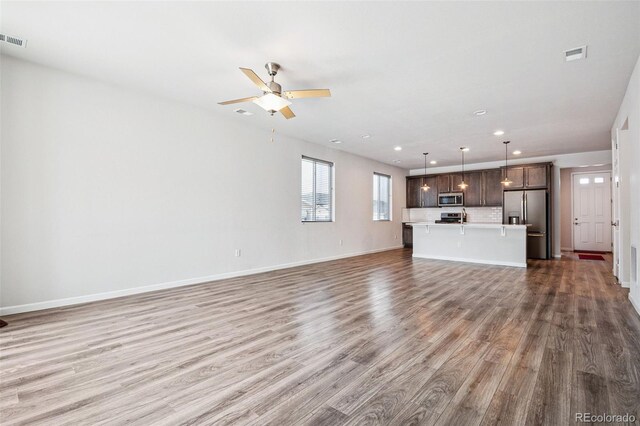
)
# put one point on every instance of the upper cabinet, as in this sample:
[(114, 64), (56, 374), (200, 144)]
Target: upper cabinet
[(531, 176), (485, 186), (473, 193), (417, 197), (492, 187), (449, 182), (536, 176), (414, 197), (516, 176)]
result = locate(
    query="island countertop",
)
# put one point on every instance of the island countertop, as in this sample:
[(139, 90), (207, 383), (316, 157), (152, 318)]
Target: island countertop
[(469, 225)]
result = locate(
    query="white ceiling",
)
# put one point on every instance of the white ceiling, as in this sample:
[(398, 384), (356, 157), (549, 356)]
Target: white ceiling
[(408, 74)]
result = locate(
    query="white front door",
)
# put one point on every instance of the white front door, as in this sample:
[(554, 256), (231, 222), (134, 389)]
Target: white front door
[(592, 211)]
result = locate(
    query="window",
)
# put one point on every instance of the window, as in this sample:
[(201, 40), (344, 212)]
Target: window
[(317, 190), (584, 181), (381, 197), (598, 179)]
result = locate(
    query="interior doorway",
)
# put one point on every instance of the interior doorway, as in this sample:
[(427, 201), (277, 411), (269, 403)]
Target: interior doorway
[(591, 208)]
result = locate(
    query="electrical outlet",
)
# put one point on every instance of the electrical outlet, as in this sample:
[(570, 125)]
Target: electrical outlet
[(238, 252), (395, 237), (340, 242)]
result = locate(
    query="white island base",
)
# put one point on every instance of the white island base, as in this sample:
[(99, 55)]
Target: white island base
[(493, 244)]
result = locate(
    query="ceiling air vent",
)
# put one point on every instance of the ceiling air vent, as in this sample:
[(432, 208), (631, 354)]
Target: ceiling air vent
[(20, 42), (243, 112), (575, 53)]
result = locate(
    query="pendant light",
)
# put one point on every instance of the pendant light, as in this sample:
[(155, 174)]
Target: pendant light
[(425, 187), (462, 184), (506, 181)]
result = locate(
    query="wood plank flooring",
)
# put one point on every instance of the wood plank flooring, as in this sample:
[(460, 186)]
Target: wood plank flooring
[(376, 339)]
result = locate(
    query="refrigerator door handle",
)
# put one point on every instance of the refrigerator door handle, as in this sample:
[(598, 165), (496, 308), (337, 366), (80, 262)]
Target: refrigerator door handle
[(522, 217), (525, 207)]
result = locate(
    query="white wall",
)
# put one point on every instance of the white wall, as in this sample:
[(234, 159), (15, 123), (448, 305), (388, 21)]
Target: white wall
[(106, 190), (629, 151), (559, 162)]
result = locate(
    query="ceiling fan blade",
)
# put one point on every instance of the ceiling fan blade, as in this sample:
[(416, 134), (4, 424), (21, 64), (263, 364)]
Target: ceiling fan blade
[(237, 101), (288, 114), (256, 80), (311, 93)]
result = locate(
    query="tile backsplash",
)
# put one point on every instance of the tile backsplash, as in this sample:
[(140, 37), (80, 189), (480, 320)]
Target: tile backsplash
[(474, 214)]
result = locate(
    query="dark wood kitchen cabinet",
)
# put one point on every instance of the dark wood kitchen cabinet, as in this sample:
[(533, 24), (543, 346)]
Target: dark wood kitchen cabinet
[(417, 197), (407, 235), (414, 198), (474, 192), (530, 176), (492, 186), (449, 182), (485, 186), (535, 176), (444, 183), (516, 176), (430, 197)]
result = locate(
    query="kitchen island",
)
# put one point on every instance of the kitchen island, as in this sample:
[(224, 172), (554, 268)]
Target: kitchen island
[(487, 243)]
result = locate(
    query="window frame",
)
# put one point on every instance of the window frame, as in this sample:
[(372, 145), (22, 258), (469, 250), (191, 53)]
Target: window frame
[(377, 175), (331, 165)]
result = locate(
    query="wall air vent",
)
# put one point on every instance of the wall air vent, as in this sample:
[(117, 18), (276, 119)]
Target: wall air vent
[(242, 111), (575, 53), (19, 42)]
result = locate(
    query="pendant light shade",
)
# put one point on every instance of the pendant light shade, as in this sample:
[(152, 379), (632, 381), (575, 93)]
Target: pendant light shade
[(425, 187), (462, 184), (506, 181)]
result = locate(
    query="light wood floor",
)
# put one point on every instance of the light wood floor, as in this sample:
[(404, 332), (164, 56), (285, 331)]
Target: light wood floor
[(376, 339)]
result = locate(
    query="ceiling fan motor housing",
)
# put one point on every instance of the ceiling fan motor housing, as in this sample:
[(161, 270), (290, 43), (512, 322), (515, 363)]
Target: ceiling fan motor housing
[(275, 87)]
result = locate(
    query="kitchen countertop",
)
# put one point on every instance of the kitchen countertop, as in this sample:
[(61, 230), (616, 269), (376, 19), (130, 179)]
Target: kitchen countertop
[(469, 225)]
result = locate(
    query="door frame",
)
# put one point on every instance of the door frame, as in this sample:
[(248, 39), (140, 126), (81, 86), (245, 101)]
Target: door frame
[(573, 241), (615, 205)]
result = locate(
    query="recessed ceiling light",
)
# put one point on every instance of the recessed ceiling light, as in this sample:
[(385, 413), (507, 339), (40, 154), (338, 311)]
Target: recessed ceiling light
[(575, 53), (517, 152), (598, 165), (433, 162), (335, 141), (480, 112), (366, 136), (465, 149), (398, 148), (499, 132)]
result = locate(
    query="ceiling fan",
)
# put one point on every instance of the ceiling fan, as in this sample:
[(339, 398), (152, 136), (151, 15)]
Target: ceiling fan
[(273, 98)]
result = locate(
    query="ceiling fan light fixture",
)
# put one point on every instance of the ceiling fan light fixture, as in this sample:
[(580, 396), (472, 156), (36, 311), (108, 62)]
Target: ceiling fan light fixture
[(271, 102)]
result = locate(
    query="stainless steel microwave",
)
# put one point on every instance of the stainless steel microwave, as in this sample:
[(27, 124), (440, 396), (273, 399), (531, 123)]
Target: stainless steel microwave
[(451, 199)]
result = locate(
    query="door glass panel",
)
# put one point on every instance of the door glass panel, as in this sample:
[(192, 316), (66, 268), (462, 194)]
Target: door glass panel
[(598, 179), (584, 181)]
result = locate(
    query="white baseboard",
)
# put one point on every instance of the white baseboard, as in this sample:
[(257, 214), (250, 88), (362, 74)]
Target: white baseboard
[(635, 304), (625, 284), (566, 249), (557, 256), (56, 303), (464, 259)]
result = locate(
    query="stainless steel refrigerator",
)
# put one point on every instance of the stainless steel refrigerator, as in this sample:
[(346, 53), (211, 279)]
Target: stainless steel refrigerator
[(530, 208)]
